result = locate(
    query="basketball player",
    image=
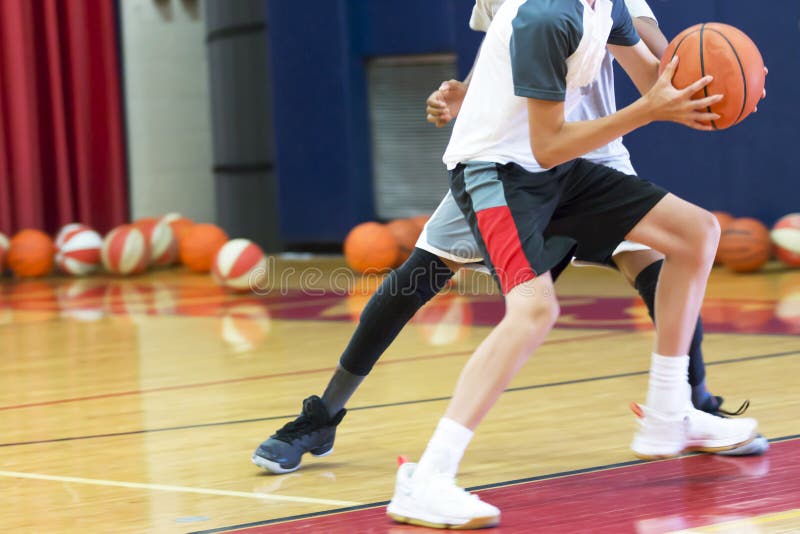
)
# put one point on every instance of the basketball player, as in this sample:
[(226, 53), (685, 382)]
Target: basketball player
[(532, 206), (448, 242)]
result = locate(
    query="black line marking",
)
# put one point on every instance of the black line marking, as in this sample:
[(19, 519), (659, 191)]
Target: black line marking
[(292, 518), (390, 404), (741, 69), (537, 478), (703, 69)]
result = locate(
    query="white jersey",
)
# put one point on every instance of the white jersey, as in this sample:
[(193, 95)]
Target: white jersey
[(598, 99)]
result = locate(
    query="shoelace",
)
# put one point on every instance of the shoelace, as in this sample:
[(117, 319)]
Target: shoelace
[(743, 408), (294, 429)]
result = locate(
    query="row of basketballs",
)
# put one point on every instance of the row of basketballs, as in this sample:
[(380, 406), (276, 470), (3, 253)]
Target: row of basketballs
[(131, 249), (746, 244)]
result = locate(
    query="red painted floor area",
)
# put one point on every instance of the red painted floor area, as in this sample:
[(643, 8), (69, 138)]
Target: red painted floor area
[(646, 498)]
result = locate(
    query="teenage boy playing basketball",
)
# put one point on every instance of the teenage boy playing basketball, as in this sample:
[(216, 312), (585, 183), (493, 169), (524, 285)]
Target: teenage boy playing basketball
[(532, 206)]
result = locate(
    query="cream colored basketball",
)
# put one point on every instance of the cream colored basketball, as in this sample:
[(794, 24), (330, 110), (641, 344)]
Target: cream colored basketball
[(240, 265), (78, 250), (786, 238), (67, 230), (163, 245), (125, 251)]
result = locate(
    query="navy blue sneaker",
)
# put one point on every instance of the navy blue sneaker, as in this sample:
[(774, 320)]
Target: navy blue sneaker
[(313, 431)]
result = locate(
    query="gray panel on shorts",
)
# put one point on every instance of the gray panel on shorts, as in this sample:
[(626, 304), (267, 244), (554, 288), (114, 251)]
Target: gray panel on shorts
[(448, 233), (483, 185)]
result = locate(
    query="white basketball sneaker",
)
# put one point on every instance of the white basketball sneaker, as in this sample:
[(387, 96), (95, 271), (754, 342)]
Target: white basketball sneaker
[(709, 433), (438, 503), (661, 436)]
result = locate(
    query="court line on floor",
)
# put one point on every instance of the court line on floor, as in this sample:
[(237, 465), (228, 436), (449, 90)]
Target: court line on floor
[(494, 485), (193, 385), (385, 405), (177, 489)]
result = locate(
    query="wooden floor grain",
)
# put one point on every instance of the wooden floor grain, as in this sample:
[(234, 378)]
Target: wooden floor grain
[(134, 405)]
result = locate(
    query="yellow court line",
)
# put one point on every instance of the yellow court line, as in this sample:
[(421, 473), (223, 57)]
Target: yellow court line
[(725, 526), (181, 489)]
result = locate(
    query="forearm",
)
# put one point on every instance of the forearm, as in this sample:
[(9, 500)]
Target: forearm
[(639, 63), (575, 139), (647, 80)]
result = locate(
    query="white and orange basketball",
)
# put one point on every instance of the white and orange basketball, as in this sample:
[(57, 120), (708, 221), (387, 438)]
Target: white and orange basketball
[(78, 249), (239, 265), (66, 230), (3, 252), (786, 238), (161, 240), (125, 250)]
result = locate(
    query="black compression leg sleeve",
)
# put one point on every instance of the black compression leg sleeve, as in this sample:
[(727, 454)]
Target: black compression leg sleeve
[(395, 302)]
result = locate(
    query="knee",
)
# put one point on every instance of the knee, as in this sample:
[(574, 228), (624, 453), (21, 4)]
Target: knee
[(707, 236), (541, 311), (698, 240)]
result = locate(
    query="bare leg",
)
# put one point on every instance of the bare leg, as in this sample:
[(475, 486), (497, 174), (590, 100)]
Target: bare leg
[(531, 311), (688, 237)]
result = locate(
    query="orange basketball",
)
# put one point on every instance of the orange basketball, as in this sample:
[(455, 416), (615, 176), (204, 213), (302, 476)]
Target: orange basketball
[(199, 246), (731, 57), (405, 232), (371, 246), (180, 226), (724, 218), (31, 254), (420, 220), (745, 245)]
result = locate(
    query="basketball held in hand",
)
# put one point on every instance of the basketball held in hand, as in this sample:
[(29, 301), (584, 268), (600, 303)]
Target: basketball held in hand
[(731, 57)]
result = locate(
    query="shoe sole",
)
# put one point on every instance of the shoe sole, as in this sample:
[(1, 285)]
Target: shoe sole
[(695, 448), (757, 447), (278, 469), (473, 524)]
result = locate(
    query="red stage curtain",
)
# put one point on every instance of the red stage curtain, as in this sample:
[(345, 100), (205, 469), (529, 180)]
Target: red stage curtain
[(61, 127)]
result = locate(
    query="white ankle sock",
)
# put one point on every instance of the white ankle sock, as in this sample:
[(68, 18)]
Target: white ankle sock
[(444, 450), (669, 391)]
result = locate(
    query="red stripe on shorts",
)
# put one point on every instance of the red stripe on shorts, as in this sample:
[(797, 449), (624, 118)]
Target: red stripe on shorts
[(499, 233)]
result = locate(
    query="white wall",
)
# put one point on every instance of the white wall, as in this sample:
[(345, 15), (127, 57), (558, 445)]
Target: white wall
[(167, 108)]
